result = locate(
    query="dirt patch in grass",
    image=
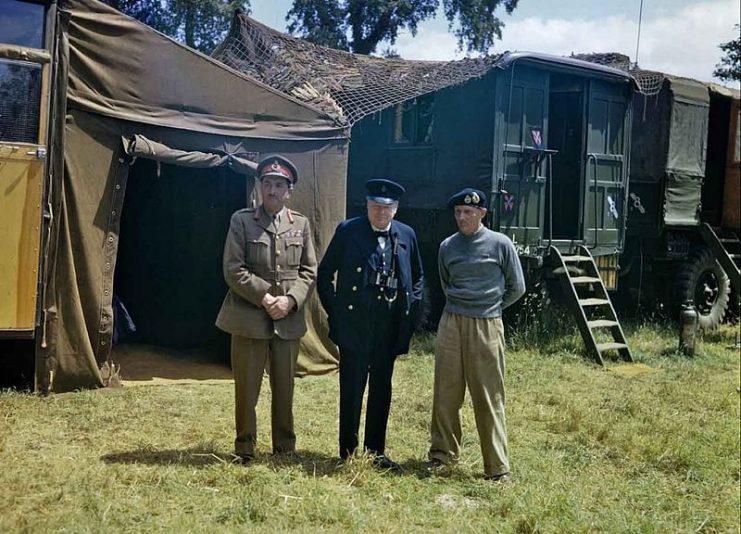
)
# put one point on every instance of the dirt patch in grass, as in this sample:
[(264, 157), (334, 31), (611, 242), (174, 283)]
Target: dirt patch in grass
[(142, 364)]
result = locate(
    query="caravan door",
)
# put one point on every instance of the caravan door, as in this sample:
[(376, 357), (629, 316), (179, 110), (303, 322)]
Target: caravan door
[(23, 104), (603, 213), (522, 125)]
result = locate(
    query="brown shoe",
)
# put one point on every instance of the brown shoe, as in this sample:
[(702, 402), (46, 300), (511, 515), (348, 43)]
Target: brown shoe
[(434, 464), (243, 458), (289, 456)]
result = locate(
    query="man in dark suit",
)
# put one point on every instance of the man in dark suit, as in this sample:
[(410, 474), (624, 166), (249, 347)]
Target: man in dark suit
[(371, 307)]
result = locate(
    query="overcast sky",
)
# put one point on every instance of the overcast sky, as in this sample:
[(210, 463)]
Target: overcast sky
[(677, 36)]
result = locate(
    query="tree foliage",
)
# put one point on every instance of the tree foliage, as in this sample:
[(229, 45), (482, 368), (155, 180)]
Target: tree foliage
[(729, 67), (360, 25), (200, 24)]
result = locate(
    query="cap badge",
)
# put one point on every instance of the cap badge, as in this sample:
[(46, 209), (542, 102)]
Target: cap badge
[(468, 199), (275, 166), (383, 189), (475, 198)]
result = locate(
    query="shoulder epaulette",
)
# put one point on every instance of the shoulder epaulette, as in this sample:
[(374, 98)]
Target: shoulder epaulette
[(297, 214)]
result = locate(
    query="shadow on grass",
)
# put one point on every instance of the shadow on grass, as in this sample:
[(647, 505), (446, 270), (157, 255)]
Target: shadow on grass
[(311, 462), (194, 457)]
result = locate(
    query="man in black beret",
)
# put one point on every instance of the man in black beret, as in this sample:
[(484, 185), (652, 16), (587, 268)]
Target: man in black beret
[(370, 306), (480, 274), (269, 266)]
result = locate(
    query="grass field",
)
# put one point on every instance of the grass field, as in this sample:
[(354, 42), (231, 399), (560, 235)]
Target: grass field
[(652, 447)]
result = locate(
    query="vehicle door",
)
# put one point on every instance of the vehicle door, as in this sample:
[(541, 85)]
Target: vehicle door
[(24, 78), (603, 213), (522, 125)]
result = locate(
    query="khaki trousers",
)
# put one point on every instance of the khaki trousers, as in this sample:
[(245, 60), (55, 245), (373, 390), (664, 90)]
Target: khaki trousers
[(249, 357), (469, 351)]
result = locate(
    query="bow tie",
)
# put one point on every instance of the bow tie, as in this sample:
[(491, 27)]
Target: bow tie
[(383, 234)]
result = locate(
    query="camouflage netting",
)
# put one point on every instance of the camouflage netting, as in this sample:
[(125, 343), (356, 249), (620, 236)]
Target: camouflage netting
[(649, 82), (346, 86), (351, 86)]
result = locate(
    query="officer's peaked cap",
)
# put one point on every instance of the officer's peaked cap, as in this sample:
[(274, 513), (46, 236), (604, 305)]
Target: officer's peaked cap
[(277, 166), (383, 191), (468, 197)]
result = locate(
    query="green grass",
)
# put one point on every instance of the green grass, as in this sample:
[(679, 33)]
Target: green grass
[(592, 449)]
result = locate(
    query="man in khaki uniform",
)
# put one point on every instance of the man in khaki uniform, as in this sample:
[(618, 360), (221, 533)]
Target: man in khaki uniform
[(270, 268), (480, 274)]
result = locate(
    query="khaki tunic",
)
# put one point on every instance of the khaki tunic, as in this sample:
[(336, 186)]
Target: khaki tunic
[(259, 259)]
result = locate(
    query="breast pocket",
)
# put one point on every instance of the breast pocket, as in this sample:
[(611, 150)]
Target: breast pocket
[(258, 248), (294, 249)]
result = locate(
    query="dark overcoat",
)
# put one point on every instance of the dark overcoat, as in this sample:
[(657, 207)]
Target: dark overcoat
[(348, 301)]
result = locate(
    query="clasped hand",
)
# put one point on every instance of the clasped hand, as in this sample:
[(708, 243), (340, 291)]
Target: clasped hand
[(277, 307)]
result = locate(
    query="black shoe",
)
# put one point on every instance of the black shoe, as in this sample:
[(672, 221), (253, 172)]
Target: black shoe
[(385, 463), (504, 477)]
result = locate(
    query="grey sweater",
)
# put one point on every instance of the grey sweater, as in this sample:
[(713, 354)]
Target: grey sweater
[(480, 274)]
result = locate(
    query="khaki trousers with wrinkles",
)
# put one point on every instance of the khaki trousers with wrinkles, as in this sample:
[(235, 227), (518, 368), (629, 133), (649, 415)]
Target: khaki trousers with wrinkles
[(249, 357), (469, 351)]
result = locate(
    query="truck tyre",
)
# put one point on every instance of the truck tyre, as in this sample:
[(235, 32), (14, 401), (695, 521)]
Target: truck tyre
[(701, 280)]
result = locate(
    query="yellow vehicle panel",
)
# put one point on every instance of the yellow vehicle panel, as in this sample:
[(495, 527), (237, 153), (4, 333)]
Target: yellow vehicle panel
[(21, 172)]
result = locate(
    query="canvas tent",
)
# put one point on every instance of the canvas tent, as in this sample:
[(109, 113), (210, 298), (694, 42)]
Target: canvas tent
[(150, 135)]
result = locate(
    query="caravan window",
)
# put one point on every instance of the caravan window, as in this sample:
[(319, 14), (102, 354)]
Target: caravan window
[(413, 121), (20, 101), (22, 24)]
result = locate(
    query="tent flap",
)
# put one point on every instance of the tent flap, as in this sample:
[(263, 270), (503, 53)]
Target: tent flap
[(138, 146)]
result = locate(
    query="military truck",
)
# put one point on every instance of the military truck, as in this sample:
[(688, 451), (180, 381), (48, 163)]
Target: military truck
[(683, 206), (549, 138)]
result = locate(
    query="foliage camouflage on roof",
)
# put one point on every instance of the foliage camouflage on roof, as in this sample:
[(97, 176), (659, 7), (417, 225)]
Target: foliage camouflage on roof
[(649, 81), (347, 86)]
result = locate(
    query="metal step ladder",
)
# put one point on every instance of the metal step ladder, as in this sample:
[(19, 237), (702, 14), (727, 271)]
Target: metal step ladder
[(726, 248), (590, 304)]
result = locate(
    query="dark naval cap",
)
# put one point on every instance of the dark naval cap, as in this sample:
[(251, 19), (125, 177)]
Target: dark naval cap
[(277, 166), (383, 191), (468, 197)]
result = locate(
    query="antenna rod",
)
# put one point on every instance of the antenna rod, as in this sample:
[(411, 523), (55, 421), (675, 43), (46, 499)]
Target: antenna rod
[(638, 39)]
